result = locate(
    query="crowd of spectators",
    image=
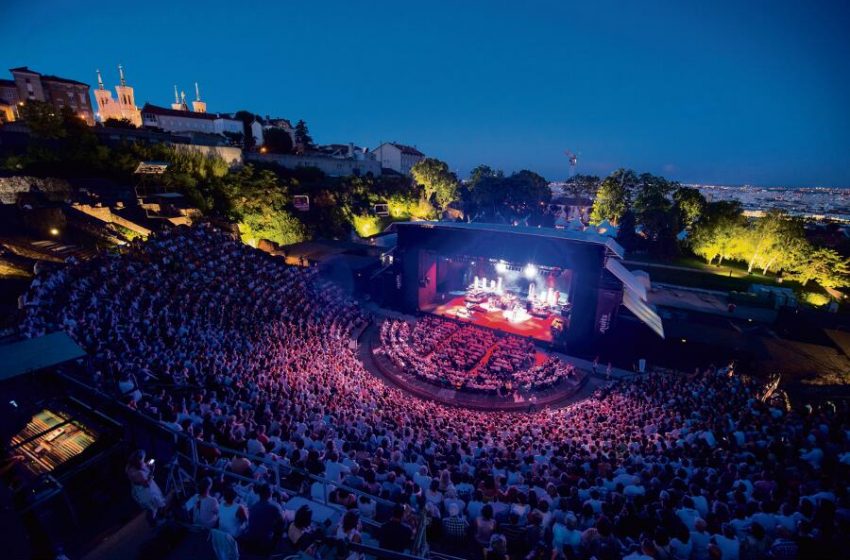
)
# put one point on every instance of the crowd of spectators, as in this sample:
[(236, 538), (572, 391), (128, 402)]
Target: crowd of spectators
[(467, 357), (232, 347)]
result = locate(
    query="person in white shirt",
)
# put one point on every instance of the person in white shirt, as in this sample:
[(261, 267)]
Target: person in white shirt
[(687, 513), (232, 515), (728, 543), (682, 545), (701, 539), (202, 507), (334, 470)]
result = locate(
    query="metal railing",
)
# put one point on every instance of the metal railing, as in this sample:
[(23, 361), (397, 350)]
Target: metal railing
[(279, 470)]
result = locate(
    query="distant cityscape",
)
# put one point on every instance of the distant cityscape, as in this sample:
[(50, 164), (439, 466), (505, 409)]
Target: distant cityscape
[(814, 203), (818, 203)]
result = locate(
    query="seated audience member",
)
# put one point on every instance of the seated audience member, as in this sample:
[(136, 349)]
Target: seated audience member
[(203, 508), (232, 514), (265, 523), (395, 534)]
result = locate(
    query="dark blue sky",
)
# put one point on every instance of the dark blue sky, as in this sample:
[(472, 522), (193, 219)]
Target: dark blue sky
[(726, 92)]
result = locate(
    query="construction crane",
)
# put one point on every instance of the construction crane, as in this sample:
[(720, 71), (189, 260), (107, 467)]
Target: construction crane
[(573, 162)]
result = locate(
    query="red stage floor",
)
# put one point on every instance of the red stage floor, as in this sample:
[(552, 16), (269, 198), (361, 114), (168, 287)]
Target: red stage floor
[(534, 327)]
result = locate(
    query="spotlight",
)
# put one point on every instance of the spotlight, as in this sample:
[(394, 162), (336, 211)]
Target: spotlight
[(54, 231), (501, 267), (530, 271)]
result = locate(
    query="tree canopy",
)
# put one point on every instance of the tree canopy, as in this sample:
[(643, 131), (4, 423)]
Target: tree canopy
[(438, 182), (303, 140), (277, 141), (691, 204), (613, 197), (582, 186)]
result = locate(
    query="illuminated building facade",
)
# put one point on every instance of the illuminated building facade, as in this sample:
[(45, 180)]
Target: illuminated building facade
[(61, 93), (122, 107)]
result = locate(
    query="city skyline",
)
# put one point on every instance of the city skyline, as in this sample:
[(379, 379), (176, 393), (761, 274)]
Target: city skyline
[(720, 94)]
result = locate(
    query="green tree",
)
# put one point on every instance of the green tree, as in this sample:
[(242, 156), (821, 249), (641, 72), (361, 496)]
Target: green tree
[(119, 123), (483, 171), (525, 191), (656, 213), (824, 266), (277, 141), (613, 197), (247, 119), (437, 181), (719, 232), (258, 202), (303, 140), (626, 235), (690, 203), (769, 236), (582, 186), (43, 120)]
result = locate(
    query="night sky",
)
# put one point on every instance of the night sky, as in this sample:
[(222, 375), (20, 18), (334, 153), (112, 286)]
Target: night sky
[(715, 92)]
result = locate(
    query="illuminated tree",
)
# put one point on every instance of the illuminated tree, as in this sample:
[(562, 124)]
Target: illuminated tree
[(613, 197), (437, 181), (720, 232), (824, 266), (690, 203), (769, 236)]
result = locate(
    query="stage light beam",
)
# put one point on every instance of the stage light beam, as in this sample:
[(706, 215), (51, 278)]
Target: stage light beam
[(530, 271), (501, 267)]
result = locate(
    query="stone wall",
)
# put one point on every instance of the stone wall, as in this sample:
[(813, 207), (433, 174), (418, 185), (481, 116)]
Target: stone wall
[(332, 167), (230, 154), (12, 187)]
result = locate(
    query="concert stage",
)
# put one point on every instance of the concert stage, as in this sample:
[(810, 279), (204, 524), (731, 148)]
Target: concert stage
[(455, 308), (563, 287)]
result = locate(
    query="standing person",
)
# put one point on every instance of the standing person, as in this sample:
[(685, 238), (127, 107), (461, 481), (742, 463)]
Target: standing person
[(608, 371), (485, 525), (145, 491)]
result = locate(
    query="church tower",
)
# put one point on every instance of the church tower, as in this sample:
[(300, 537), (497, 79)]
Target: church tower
[(124, 107), (103, 97), (197, 105), (127, 100), (179, 101)]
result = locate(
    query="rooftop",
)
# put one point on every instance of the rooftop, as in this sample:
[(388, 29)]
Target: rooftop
[(47, 77), (157, 110), (408, 150), (587, 236)]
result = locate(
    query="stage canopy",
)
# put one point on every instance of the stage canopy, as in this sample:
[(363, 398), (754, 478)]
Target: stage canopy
[(39, 353), (586, 236)]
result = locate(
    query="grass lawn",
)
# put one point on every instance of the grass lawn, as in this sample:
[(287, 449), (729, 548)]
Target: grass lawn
[(694, 272)]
